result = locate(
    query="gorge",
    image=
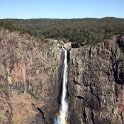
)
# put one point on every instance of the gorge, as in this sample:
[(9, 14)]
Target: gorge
[(31, 78)]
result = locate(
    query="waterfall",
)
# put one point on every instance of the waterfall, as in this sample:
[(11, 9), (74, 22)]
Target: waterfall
[(62, 118), (64, 104)]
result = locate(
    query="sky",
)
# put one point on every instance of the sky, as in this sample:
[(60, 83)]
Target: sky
[(61, 8)]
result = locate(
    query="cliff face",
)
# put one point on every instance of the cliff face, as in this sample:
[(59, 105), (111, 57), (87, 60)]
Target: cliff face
[(96, 84), (29, 77)]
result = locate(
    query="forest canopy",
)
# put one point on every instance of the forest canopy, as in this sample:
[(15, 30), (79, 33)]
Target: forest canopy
[(89, 30)]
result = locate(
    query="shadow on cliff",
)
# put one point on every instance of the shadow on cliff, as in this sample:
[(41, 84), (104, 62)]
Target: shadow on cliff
[(38, 119), (118, 63), (92, 103), (99, 120), (118, 71), (120, 41)]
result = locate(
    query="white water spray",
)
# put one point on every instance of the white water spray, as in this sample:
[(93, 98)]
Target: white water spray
[(62, 118)]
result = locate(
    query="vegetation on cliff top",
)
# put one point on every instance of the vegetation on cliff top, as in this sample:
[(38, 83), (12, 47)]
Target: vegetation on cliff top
[(89, 30)]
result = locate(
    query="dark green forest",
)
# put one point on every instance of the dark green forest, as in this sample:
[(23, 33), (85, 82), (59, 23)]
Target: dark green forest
[(88, 30)]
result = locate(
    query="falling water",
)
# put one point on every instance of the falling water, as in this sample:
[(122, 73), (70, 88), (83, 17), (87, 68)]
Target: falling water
[(62, 118)]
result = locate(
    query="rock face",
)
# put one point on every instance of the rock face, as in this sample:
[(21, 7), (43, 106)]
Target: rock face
[(29, 76), (96, 84)]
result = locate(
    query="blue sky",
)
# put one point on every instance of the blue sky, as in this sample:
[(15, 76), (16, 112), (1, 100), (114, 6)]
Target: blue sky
[(61, 8)]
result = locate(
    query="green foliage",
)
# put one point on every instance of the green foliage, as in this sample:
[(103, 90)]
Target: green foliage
[(88, 30), (7, 25)]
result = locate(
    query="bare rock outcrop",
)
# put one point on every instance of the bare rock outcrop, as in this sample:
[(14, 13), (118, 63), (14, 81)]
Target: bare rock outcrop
[(29, 76), (96, 84)]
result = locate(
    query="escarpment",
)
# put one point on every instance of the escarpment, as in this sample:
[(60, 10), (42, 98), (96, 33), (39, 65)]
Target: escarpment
[(31, 79), (29, 76), (96, 84)]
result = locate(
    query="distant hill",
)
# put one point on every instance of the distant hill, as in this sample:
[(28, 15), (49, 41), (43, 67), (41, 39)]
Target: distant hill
[(90, 30)]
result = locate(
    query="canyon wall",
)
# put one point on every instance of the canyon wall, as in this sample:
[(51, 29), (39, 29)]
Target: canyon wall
[(31, 79), (29, 76), (96, 84)]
